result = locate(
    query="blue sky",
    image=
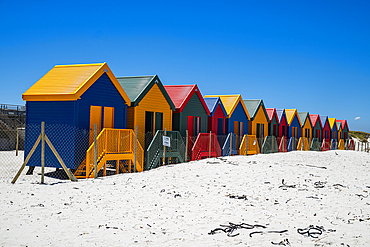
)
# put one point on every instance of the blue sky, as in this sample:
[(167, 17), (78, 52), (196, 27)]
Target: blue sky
[(309, 55)]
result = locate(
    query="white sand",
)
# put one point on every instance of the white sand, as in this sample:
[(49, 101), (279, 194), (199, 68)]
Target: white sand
[(179, 205)]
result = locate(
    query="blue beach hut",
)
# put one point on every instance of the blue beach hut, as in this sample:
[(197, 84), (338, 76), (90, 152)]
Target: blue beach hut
[(70, 99)]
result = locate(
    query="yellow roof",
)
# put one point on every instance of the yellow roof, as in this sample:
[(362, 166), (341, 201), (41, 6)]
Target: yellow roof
[(332, 121), (69, 82), (230, 102), (290, 113)]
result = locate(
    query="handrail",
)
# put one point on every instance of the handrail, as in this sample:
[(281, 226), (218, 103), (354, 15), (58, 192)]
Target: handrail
[(114, 141)]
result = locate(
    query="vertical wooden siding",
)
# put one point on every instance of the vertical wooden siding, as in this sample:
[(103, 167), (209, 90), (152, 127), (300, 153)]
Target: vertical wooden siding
[(240, 116), (260, 118), (153, 101), (195, 108)]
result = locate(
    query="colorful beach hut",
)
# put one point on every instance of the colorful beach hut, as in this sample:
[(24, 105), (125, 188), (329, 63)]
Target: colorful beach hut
[(325, 127), (274, 122), (237, 114), (283, 123), (282, 139), (191, 112), (333, 129), (316, 126), (259, 120), (151, 107), (294, 127), (216, 119), (345, 129), (71, 99), (294, 123), (306, 125)]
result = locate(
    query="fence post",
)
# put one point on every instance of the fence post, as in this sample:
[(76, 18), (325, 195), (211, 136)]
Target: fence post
[(42, 151), (231, 142), (135, 149), (164, 149), (16, 146), (210, 142), (283, 143), (302, 149), (186, 145), (272, 144), (95, 152)]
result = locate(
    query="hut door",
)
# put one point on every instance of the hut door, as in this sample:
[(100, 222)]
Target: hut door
[(158, 121), (274, 130), (190, 125), (220, 126), (196, 126), (108, 117), (149, 122), (95, 118)]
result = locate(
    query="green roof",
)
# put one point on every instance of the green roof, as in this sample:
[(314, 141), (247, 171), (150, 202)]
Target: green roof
[(252, 106), (136, 87), (303, 116)]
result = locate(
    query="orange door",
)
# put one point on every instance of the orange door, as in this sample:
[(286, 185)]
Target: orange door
[(108, 117), (95, 118)]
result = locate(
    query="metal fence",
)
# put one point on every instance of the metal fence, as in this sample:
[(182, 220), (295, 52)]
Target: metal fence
[(71, 145)]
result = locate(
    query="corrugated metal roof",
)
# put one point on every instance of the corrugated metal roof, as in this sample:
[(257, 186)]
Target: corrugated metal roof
[(280, 113), (134, 85), (343, 123), (212, 104), (181, 94), (314, 118), (230, 102), (332, 123), (137, 87), (290, 113), (323, 120), (69, 82), (253, 105), (303, 116), (271, 112)]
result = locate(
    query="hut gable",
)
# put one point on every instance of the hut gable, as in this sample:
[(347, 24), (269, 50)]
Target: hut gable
[(191, 112), (216, 119), (259, 119), (137, 87), (69, 82)]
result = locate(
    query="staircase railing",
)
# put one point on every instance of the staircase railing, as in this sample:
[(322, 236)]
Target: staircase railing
[(292, 144), (155, 149), (114, 142), (252, 145), (341, 145), (243, 146), (201, 148), (226, 146), (325, 146), (283, 143), (303, 144), (315, 145), (269, 145)]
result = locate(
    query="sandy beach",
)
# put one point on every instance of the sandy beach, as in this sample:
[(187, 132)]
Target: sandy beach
[(276, 196)]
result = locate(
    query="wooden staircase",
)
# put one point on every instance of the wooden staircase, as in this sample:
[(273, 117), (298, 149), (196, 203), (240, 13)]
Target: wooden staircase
[(117, 146)]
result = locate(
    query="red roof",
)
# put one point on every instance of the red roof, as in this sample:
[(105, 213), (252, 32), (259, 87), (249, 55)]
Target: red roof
[(271, 112), (314, 118), (181, 94), (343, 122)]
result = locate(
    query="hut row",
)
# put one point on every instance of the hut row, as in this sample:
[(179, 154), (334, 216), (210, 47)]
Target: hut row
[(88, 96)]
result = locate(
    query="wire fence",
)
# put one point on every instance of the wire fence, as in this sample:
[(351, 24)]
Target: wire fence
[(71, 145)]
